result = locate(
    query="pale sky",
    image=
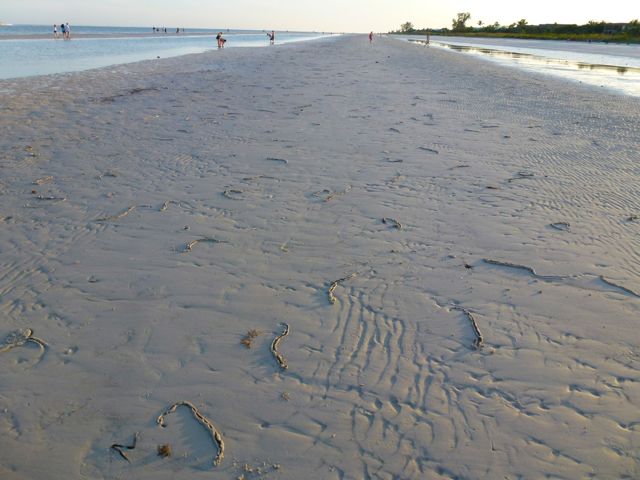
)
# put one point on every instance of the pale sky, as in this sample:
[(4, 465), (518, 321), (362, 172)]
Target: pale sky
[(320, 15)]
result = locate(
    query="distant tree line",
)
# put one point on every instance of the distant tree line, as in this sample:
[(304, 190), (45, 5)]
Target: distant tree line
[(598, 31)]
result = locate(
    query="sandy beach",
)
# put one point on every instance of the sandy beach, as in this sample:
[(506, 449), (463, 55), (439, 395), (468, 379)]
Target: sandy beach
[(452, 248)]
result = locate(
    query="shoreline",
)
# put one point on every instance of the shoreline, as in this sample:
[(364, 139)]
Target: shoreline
[(439, 238)]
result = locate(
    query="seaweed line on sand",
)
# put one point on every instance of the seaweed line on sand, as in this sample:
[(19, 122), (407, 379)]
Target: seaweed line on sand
[(399, 177), (119, 448), (122, 214), (393, 222), (232, 194), (333, 195), (274, 159), (51, 198), (18, 338), (43, 180), (521, 176), (204, 421), (193, 243), (274, 347), (429, 150), (109, 173), (477, 343), (133, 91), (562, 226), (166, 203), (559, 278), (334, 284)]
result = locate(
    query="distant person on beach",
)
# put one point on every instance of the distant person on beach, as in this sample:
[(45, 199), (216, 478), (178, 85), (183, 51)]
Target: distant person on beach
[(63, 31), (272, 37), (370, 37), (221, 40), (177, 30), (55, 31), (68, 28)]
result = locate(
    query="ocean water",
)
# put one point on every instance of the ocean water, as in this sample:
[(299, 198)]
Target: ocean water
[(46, 30), (27, 50), (611, 66)]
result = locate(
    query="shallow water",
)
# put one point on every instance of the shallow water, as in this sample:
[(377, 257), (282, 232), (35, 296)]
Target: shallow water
[(24, 57), (612, 66)]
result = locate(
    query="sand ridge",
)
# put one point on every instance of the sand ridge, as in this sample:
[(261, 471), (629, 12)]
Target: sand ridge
[(284, 166)]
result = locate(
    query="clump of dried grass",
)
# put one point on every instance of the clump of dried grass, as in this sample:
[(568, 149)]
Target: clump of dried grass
[(249, 337)]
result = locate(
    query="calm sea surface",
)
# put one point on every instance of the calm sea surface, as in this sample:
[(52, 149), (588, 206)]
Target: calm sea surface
[(28, 50), (30, 30), (611, 66)]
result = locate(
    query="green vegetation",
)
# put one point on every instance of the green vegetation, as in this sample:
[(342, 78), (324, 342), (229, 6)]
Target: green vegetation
[(593, 31), (407, 27), (460, 24)]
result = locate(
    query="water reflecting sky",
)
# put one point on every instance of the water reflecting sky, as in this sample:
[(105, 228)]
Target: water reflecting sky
[(613, 66), (24, 57)]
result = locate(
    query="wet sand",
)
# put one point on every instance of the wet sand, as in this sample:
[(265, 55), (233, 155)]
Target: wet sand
[(387, 203)]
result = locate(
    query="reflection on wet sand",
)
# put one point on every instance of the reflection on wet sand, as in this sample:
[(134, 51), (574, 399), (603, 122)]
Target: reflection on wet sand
[(531, 58)]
